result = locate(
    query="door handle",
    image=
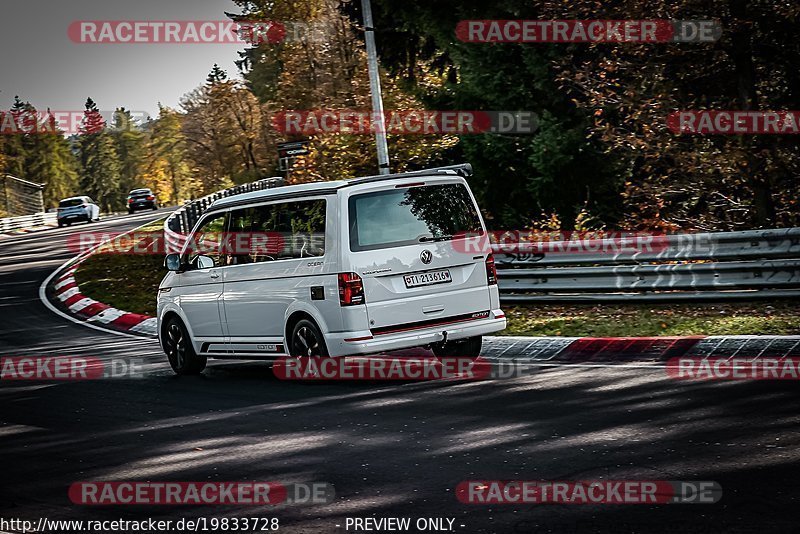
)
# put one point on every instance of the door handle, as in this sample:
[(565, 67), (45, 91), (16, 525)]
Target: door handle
[(214, 275)]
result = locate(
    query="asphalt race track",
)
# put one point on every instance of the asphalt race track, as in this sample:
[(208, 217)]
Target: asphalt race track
[(389, 449)]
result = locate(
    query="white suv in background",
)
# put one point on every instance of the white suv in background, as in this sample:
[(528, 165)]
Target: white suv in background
[(76, 209), (358, 266)]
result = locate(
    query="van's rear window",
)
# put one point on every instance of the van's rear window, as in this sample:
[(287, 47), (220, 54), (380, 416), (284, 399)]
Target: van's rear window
[(70, 203), (406, 216)]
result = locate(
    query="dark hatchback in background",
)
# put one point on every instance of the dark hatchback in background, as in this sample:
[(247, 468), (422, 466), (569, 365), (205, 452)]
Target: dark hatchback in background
[(141, 199)]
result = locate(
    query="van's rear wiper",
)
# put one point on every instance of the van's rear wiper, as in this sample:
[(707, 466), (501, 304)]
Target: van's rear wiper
[(429, 238)]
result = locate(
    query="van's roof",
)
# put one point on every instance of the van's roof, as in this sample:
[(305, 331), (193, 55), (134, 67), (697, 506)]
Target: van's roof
[(289, 191)]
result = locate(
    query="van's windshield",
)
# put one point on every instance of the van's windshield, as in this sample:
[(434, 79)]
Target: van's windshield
[(410, 215)]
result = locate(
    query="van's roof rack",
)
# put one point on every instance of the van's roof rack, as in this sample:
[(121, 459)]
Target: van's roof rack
[(462, 169), (319, 188)]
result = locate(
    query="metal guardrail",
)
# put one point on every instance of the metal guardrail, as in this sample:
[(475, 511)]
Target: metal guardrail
[(181, 222), (707, 266), (26, 221)]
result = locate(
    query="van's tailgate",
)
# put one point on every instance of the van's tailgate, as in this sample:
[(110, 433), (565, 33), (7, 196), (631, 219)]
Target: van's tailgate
[(411, 294)]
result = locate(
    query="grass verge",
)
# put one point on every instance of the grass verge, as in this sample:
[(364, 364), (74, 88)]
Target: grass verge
[(125, 281), (730, 318)]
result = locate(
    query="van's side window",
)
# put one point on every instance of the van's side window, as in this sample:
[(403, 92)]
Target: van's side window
[(207, 241), (288, 230)]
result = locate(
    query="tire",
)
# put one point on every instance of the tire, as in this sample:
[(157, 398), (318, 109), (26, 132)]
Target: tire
[(469, 348), (155, 208), (130, 211), (60, 224), (179, 350), (307, 340)]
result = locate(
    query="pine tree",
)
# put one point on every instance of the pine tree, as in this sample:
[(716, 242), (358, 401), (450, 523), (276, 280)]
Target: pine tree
[(217, 75), (100, 164), (17, 145)]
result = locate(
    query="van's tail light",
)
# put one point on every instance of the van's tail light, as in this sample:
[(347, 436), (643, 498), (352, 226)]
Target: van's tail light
[(491, 271), (130, 201), (351, 289), (151, 197)]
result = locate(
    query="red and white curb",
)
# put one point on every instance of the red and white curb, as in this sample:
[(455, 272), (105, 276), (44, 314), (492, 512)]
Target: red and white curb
[(62, 295), (67, 292), (31, 230)]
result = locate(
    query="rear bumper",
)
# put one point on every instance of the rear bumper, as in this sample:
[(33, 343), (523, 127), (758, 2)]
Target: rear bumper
[(72, 217), (146, 205), (364, 342)]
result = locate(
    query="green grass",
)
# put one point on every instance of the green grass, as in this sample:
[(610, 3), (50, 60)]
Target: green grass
[(739, 318), (125, 281), (130, 282)]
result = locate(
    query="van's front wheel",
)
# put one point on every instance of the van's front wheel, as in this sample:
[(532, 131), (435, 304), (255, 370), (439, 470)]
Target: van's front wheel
[(468, 348), (179, 350), (307, 340)]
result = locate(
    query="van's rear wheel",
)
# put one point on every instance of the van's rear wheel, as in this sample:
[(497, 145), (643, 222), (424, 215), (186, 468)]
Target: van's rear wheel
[(179, 350), (307, 340), (469, 348)]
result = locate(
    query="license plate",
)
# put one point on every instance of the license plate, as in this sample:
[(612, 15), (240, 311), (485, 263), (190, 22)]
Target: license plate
[(427, 279)]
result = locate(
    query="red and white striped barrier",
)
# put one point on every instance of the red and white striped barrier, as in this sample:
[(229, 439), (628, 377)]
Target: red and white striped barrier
[(68, 293)]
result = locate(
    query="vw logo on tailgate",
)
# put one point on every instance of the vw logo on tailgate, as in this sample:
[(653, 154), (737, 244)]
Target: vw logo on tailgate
[(426, 256)]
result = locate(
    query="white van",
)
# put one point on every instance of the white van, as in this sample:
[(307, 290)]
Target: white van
[(353, 267)]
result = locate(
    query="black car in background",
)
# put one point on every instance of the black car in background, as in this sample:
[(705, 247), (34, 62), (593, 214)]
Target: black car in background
[(141, 199)]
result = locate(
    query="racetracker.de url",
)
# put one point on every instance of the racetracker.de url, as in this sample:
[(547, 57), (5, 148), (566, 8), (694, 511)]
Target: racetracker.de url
[(142, 526)]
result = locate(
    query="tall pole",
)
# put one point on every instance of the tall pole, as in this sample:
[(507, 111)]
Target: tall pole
[(375, 88)]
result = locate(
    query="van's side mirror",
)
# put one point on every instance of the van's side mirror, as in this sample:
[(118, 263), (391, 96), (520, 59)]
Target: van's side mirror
[(172, 262)]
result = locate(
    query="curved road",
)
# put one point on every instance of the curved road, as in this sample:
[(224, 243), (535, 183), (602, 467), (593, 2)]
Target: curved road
[(394, 450)]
